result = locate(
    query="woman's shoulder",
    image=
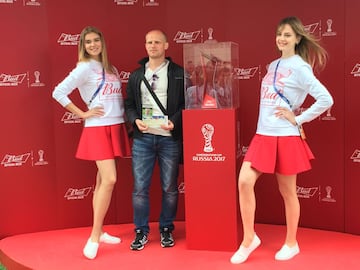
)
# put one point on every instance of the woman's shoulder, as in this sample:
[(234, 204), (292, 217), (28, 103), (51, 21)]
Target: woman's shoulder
[(272, 65), (301, 69), (298, 60), (85, 69), (84, 65), (89, 64)]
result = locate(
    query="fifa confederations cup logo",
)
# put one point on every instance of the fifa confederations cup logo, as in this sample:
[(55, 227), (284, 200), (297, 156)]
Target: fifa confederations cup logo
[(208, 131), (328, 192)]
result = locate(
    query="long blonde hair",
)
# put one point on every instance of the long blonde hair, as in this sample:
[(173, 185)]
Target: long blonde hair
[(308, 47), (84, 56)]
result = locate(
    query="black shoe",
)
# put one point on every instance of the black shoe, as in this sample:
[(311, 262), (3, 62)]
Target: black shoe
[(140, 241), (166, 239)]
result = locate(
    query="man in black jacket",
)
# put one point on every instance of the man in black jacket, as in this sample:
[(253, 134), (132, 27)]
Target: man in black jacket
[(157, 121)]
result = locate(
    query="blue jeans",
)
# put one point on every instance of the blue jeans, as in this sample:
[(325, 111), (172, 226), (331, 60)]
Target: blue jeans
[(145, 151)]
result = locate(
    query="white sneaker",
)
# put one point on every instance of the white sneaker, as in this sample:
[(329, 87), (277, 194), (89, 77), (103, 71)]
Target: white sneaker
[(286, 252), (90, 250), (109, 239), (243, 253)]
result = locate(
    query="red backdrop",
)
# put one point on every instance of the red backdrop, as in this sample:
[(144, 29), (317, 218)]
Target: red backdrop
[(42, 185)]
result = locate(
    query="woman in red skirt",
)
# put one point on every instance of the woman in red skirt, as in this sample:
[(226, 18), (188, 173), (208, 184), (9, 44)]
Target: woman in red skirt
[(279, 145), (104, 136)]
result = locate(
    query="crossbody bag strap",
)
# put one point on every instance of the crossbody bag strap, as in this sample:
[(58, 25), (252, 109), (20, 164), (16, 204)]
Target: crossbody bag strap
[(300, 128), (154, 96), (99, 87), (276, 90)]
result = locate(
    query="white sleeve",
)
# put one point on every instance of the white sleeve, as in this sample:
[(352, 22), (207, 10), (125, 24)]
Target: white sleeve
[(75, 79), (323, 99)]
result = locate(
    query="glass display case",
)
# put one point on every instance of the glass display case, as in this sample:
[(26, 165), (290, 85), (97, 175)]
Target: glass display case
[(209, 75)]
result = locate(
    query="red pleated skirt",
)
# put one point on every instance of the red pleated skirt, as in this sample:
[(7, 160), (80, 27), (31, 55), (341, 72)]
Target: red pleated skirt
[(286, 155), (105, 142)]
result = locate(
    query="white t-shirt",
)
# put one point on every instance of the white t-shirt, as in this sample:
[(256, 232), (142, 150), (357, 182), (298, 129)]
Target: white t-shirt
[(86, 77), (160, 91), (295, 79)]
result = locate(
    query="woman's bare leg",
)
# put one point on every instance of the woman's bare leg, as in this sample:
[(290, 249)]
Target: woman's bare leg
[(287, 188), (247, 200), (105, 181)]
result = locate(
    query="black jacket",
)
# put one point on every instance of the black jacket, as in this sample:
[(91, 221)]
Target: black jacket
[(175, 96)]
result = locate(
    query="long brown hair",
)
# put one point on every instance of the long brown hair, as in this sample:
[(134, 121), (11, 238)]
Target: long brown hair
[(84, 56), (309, 47)]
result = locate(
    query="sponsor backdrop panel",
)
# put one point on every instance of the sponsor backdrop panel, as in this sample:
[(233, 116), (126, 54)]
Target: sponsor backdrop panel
[(75, 178), (352, 128), (27, 186), (327, 130), (39, 139)]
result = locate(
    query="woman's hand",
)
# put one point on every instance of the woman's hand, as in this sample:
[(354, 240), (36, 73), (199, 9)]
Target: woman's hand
[(285, 113), (94, 112)]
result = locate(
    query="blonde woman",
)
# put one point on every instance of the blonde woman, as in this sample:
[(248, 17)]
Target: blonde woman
[(279, 145), (104, 136)]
